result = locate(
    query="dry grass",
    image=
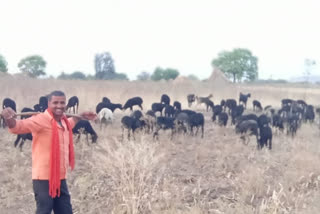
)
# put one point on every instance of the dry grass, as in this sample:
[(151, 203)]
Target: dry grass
[(188, 175)]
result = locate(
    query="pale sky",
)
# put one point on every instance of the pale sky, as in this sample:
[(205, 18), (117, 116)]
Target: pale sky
[(143, 34)]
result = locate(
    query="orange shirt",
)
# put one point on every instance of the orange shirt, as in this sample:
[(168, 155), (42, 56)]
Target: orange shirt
[(40, 127)]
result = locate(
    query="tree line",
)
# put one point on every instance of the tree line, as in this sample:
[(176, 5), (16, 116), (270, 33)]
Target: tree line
[(238, 65)]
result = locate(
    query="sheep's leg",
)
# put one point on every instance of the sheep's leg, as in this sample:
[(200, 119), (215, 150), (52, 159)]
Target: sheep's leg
[(202, 130), (21, 144)]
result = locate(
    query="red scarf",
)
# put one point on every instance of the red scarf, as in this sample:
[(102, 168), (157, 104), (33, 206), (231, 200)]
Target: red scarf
[(54, 180)]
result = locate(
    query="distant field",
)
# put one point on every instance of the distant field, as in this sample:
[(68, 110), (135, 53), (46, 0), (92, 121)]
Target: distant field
[(186, 175)]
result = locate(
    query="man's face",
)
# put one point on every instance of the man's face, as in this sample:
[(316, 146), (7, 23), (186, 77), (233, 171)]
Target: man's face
[(57, 104)]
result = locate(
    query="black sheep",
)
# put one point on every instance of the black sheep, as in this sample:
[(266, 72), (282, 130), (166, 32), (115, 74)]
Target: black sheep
[(236, 112), (137, 114), (223, 119), (309, 114), (132, 102), (131, 124), (73, 103), (263, 120), (250, 126), (164, 123), (165, 99), (157, 107), (169, 111), (246, 117), (196, 120), (84, 126)]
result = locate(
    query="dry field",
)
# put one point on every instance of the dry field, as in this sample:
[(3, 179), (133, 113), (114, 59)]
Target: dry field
[(186, 175)]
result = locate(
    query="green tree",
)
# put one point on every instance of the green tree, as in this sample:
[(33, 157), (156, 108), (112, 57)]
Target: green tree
[(120, 76), (104, 66), (34, 66), (63, 76), (166, 74), (3, 64), (143, 76), (78, 75), (238, 64)]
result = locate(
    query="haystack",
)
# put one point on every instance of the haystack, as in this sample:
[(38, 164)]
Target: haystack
[(218, 79)]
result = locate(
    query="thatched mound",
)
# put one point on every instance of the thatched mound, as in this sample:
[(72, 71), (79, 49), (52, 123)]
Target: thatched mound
[(218, 79)]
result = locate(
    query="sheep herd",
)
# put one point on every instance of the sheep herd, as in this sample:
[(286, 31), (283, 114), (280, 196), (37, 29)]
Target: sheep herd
[(164, 116)]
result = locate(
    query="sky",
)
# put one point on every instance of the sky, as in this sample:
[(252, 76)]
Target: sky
[(144, 34)]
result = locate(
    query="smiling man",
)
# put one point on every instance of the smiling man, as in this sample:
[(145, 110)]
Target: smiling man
[(52, 152)]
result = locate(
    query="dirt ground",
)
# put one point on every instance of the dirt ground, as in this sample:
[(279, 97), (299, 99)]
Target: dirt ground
[(188, 174)]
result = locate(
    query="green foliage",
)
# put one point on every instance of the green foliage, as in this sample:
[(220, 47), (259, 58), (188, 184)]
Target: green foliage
[(120, 76), (77, 75), (143, 76), (3, 64), (104, 66), (166, 74), (34, 66), (238, 64)]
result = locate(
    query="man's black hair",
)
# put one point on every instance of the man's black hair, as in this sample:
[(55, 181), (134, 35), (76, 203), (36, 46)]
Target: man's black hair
[(55, 93)]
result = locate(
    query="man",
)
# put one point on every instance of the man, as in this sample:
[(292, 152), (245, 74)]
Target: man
[(52, 152)]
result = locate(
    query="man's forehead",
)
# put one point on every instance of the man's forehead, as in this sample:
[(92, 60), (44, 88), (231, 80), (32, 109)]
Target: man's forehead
[(58, 98)]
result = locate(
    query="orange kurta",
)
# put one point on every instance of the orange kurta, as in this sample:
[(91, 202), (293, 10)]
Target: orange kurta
[(40, 127)]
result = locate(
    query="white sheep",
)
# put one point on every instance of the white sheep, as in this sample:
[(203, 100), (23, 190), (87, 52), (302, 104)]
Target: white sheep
[(105, 116)]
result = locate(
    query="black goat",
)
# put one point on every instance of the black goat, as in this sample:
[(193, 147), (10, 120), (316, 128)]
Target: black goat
[(230, 104), (165, 99), (244, 98), (265, 137), (73, 103), (191, 98), (256, 105), (110, 106), (132, 102), (177, 105), (43, 104), (216, 111), (84, 126), (21, 138), (106, 100)]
